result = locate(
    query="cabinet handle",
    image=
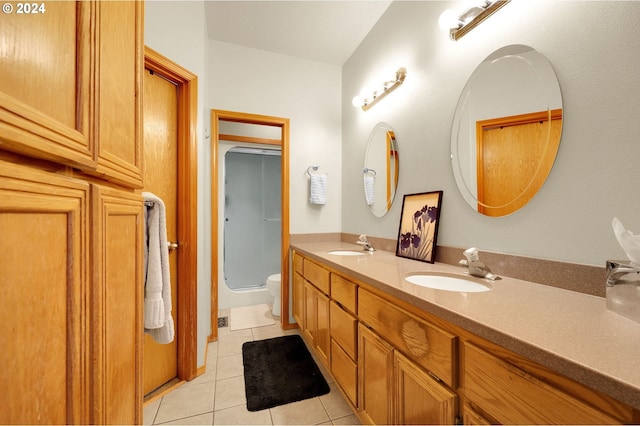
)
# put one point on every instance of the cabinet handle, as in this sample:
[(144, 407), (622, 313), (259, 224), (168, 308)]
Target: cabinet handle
[(172, 246)]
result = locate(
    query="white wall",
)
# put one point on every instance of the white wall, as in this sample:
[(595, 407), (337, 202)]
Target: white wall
[(178, 31), (595, 54), (309, 94)]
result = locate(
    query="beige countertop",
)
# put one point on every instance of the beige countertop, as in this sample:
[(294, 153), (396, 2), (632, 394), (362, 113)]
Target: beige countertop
[(569, 332)]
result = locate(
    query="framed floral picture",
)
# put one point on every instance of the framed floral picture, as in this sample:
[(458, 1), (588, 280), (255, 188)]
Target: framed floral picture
[(419, 226)]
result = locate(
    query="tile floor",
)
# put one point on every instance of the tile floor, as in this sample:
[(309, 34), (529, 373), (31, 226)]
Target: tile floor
[(217, 397)]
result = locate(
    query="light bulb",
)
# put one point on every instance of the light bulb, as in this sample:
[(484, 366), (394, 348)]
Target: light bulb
[(357, 101), (448, 19)]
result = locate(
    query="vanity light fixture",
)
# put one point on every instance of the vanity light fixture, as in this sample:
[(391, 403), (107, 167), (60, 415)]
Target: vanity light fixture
[(367, 100), (471, 17)]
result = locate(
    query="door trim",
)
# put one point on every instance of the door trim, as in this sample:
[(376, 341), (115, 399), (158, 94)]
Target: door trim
[(283, 142), (187, 320)]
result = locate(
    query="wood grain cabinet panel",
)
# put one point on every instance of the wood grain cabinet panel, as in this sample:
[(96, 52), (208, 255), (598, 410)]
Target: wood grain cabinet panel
[(344, 292), (375, 378), (421, 399), (512, 396), (44, 283), (345, 371), (45, 89), (429, 346), (344, 329), (317, 275), (117, 306), (297, 288), (118, 148)]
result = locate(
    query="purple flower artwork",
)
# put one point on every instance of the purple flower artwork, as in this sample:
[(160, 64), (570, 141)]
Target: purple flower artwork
[(419, 226)]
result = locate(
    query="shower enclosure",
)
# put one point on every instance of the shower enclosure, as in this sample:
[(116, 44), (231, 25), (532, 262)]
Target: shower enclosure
[(252, 224)]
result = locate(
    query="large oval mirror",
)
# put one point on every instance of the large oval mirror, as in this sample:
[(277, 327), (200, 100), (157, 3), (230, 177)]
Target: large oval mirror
[(381, 167), (506, 130)]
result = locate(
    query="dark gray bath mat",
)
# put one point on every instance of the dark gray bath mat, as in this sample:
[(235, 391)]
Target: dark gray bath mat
[(279, 371)]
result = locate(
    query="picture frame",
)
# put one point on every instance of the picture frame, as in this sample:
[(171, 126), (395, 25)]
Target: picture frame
[(418, 231)]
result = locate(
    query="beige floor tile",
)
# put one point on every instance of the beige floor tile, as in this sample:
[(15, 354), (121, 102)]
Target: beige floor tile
[(348, 420), (230, 393), (230, 366), (202, 419), (209, 374), (334, 403), (212, 351), (188, 400), (239, 415), (149, 412), (307, 412), (232, 344)]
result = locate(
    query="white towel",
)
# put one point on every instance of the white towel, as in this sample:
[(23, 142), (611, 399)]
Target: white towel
[(158, 321), (318, 189), (370, 189)]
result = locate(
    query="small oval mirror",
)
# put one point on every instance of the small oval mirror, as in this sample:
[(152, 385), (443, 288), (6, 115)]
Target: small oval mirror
[(381, 167), (506, 130)]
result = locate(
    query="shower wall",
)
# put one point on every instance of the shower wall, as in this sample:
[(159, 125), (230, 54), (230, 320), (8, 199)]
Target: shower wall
[(252, 226)]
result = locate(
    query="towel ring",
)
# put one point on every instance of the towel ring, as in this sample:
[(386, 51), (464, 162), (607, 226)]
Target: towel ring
[(367, 170), (314, 167)]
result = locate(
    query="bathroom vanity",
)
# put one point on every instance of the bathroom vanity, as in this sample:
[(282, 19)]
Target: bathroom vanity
[(405, 354)]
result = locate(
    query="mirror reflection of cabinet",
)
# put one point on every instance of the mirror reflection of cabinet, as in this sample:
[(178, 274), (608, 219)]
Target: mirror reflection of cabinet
[(506, 130), (381, 168)]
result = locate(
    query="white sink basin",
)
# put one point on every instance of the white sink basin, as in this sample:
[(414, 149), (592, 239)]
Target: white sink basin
[(347, 253), (447, 282)]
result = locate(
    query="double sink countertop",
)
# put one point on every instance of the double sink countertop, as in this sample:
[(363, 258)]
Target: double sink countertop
[(571, 333)]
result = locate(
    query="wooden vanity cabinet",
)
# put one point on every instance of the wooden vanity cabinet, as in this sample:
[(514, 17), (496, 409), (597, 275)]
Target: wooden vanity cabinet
[(397, 364)]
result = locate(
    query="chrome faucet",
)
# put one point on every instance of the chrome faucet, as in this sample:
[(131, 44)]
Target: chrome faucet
[(620, 271), (476, 267), (362, 240)]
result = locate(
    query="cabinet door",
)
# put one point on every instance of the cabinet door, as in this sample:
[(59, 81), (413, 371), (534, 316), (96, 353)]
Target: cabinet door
[(512, 396), (322, 332), (421, 399), (309, 312), (118, 96), (298, 299), (117, 306), (45, 89), (44, 283), (345, 371), (375, 378)]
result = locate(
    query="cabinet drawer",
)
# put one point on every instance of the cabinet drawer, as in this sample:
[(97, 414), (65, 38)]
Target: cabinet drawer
[(426, 345), (316, 275), (512, 396), (344, 329), (344, 292), (297, 263), (345, 371)]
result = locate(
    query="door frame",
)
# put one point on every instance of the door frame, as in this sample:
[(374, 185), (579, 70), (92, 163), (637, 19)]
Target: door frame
[(186, 317), (283, 142)]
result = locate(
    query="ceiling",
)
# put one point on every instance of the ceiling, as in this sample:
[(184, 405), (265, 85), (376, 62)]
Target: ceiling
[(326, 31)]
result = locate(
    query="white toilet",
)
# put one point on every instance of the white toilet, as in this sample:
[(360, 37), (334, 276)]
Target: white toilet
[(273, 285)]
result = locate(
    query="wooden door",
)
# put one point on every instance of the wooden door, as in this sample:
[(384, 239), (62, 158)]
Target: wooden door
[(515, 155), (161, 178), (421, 399), (44, 287), (375, 378)]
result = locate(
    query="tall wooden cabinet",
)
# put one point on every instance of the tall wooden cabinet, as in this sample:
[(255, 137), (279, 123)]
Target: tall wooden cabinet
[(71, 215)]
